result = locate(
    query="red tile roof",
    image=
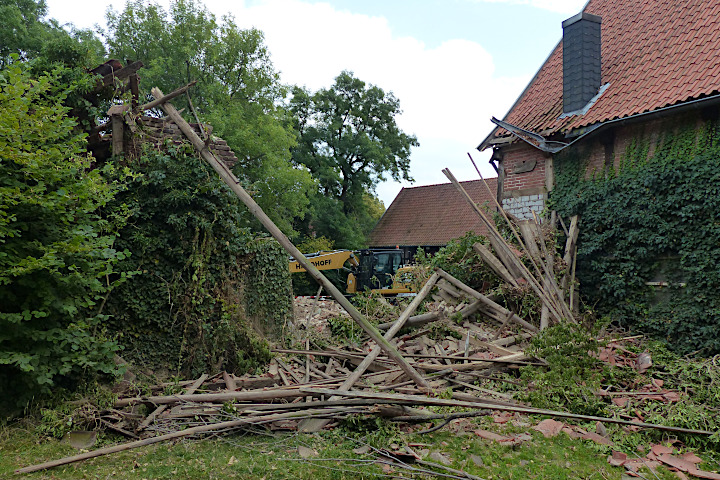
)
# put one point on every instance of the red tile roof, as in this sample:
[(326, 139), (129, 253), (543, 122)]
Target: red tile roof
[(655, 53), (432, 215)]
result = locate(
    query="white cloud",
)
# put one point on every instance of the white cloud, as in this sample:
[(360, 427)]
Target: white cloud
[(447, 93), (570, 7)]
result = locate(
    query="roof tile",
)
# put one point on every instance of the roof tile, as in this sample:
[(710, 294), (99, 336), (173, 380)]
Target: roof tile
[(432, 215), (655, 53)]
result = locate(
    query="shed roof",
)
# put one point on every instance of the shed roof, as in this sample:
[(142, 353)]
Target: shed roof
[(655, 53), (432, 215)]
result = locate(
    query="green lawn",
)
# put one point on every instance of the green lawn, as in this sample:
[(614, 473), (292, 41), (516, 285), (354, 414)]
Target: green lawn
[(277, 456)]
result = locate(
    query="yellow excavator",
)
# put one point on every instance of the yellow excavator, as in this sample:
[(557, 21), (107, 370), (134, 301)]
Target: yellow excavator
[(381, 271)]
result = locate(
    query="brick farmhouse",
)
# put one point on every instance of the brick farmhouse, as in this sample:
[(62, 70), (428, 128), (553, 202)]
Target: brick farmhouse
[(623, 70)]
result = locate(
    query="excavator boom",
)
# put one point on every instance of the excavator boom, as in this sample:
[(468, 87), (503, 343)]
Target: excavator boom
[(326, 260)]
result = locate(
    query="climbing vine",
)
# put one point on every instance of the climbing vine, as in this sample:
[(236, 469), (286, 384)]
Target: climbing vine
[(204, 289), (648, 250)]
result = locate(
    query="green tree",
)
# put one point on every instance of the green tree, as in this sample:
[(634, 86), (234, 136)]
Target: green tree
[(238, 92), (27, 33), (349, 140), (56, 251)]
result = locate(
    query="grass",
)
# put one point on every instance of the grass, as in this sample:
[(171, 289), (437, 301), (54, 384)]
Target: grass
[(276, 456)]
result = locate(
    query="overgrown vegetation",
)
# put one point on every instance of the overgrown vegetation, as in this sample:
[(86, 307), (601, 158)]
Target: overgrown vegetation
[(654, 219), (200, 283), (203, 284), (58, 248), (577, 375), (238, 92)]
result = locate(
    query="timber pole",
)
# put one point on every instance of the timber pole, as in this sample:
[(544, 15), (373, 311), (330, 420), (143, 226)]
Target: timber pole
[(229, 178)]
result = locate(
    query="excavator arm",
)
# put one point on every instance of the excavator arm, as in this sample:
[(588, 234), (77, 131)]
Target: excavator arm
[(333, 260)]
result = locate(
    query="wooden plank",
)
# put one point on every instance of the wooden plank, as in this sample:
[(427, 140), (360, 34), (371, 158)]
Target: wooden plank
[(508, 259), (424, 400), (515, 358), (494, 264), (571, 242), (250, 396), (531, 242), (229, 382), (414, 321), (231, 180), (118, 134)]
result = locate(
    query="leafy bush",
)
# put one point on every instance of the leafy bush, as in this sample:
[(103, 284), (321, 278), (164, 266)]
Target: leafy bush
[(574, 373), (460, 260), (56, 251)]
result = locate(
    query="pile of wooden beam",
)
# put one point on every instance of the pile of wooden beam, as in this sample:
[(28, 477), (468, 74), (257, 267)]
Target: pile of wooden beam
[(307, 390), (529, 261)]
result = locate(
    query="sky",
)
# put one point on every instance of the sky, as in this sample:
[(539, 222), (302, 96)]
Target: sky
[(451, 63)]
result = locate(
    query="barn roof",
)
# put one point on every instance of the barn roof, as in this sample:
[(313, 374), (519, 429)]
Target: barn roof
[(432, 215)]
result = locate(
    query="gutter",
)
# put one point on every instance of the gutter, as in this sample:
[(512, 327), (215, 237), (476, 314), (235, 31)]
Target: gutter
[(583, 132)]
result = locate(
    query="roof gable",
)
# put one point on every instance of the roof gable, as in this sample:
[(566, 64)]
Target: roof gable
[(432, 215), (655, 53)]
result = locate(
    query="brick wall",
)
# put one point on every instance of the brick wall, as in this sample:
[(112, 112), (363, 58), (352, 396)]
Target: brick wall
[(523, 186), (521, 157)]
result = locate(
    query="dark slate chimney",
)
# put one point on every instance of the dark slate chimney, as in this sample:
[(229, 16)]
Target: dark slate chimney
[(581, 60)]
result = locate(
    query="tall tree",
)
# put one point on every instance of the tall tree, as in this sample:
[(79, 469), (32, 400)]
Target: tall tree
[(238, 91), (349, 140), (26, 32)]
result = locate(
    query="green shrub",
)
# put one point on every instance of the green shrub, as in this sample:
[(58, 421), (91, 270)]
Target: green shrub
[(462, 262), (56, 251), (204, 285)]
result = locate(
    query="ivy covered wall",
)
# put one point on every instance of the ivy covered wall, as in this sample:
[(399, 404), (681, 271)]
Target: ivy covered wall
[(651, 217), (204, 290)]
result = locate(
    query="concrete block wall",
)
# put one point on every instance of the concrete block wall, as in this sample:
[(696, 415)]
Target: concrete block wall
[(523, 206)]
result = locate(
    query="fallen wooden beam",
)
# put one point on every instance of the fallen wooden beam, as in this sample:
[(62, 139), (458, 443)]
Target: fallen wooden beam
[(516, 358), (423, 400), (179, 434), (221, 397), (485, 300), (495, 264)]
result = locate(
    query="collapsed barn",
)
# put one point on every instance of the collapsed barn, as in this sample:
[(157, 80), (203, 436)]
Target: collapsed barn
[(481, 336)]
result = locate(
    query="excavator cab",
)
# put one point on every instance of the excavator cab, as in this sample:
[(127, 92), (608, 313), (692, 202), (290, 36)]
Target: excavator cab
[(377, 269)]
